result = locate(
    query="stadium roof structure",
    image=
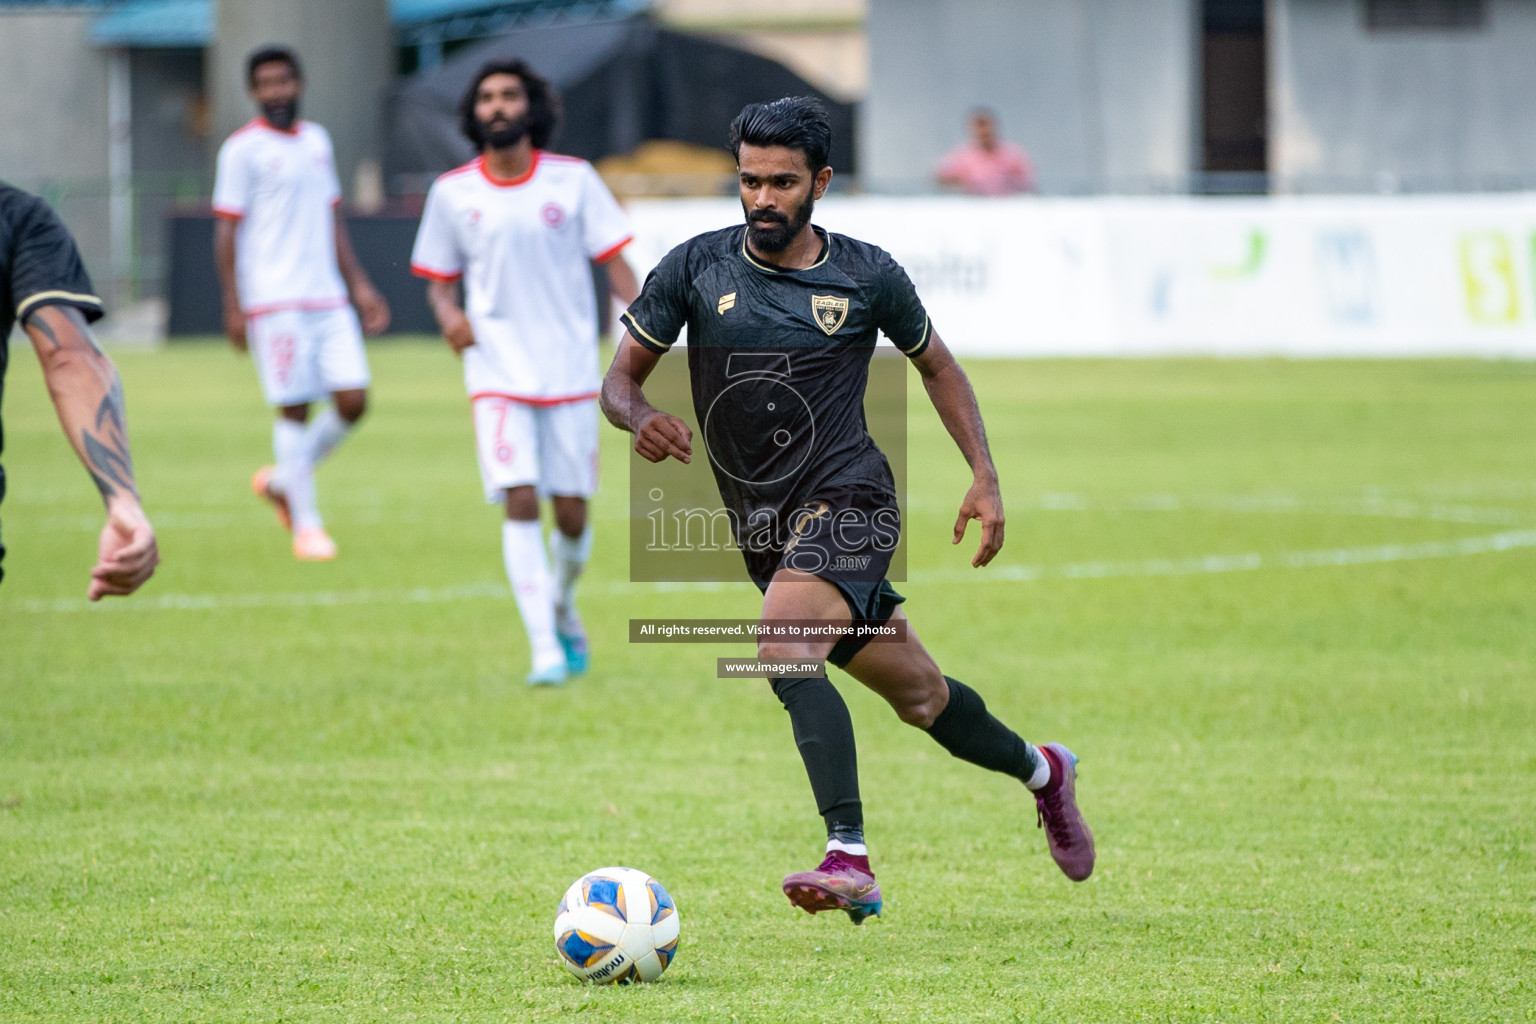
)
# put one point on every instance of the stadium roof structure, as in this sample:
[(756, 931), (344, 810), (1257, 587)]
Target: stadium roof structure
[(623, 82), (165, 23), (189, 23)]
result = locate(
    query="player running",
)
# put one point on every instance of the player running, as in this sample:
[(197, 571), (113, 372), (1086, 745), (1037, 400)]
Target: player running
[(43, 284), (287, 273), (816, 300), (522, 227)]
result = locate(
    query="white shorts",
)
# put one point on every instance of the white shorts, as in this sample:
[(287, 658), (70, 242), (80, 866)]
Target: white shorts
[(302, 355), (552, 447)]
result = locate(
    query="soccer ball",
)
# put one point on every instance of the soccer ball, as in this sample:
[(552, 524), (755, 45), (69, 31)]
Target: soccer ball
[(616, 925)]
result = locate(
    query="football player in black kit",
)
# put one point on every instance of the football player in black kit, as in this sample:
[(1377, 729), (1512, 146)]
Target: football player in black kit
[(44, 285), (811, 498)]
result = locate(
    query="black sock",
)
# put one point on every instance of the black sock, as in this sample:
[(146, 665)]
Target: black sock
[(966, 729), (824, 733)]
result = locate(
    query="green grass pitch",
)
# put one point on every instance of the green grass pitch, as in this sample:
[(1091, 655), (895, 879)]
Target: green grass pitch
[(1285, 612)]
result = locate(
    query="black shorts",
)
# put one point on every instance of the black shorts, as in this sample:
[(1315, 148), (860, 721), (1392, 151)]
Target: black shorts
[(847, 539)]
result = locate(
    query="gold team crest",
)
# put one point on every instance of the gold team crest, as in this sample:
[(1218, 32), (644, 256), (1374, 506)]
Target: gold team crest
[(830, 311)]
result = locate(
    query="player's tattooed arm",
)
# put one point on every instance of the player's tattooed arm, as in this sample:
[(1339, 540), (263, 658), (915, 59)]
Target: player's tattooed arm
[(443, 297), (372, 310), (53, 331), (658, 435), (950, 392), (106, 447), (88, 396)]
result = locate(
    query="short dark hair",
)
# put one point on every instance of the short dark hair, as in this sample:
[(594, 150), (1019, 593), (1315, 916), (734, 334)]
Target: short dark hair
[(798, 122), (271, 54), (543, 103)]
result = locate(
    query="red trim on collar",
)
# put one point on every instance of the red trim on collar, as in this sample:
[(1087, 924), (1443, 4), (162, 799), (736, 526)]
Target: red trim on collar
[(262, 122), (521, 179)]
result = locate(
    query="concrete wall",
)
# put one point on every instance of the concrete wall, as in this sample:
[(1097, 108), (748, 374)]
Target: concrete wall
[(53, 118), (822, 41), (170, 113), (1423, 109), (171, 161), (1102, 93), (347, 50)]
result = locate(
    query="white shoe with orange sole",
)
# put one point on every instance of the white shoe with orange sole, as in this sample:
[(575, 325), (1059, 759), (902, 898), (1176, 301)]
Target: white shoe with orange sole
[(313, 546)]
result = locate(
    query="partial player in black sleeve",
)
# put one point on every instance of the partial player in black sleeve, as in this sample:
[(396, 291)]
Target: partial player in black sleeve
[(43, 284), (781, 312), (659, 313), (902, 316)]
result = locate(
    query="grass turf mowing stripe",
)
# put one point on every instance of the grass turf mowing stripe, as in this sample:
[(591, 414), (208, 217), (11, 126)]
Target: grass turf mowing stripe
[(1511, 540)]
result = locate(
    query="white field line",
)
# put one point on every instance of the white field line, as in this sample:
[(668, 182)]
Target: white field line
[(245, 519), (1248, 562), (363, 510), (1371, 507), (295, 599), (1201, 565)]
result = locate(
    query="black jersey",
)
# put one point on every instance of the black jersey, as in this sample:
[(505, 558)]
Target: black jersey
[(778, 361), (39, 266)]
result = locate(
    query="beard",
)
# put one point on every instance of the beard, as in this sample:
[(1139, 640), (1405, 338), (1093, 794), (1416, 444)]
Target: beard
[(281, 114), (500, 134), (771, 231)]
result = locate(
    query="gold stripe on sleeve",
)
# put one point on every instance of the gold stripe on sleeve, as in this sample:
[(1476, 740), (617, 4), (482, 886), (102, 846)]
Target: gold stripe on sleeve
[(927, 326), (629, 319), (25, 306)]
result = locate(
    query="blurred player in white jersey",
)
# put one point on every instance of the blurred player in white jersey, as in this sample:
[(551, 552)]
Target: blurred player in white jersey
[(522, 228), (289, 281)]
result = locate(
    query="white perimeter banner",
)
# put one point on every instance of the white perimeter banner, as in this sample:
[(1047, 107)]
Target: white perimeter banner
[(1297, 276)]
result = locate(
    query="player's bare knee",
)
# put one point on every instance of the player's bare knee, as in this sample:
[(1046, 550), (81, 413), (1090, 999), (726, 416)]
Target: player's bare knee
[(919, 713), (570, 516), (921, 703), (522, 503), (350, 405), (784, 650)]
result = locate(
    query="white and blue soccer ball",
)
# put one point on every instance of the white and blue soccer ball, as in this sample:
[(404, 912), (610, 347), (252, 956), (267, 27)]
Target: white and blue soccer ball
[(616, 925)]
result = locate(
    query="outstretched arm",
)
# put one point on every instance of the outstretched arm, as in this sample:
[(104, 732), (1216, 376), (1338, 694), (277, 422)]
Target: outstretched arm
[(372, 310), (88, 396), (657, 434), (950, 391)]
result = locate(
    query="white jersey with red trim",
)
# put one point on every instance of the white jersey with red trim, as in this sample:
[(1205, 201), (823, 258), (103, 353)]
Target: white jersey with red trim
[(524, 248), (281, 186)]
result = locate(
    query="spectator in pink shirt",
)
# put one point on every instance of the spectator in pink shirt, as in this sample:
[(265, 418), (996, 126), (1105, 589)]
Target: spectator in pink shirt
[(986, 165)]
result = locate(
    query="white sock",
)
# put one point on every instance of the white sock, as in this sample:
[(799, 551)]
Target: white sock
[(856, 849), (570, 555), (522, 548), (325, 434), (1042, 774), (295, 473)]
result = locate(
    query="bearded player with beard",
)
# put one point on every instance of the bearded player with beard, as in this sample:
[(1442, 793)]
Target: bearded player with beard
[(289, 283), (521, 228), (815, 301)]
